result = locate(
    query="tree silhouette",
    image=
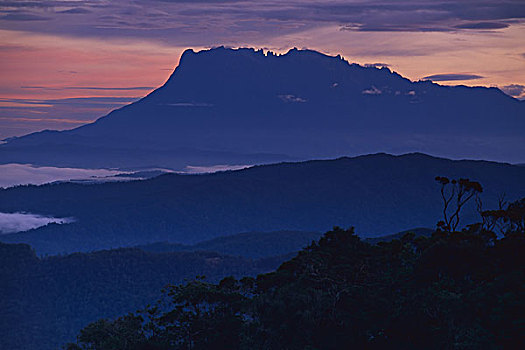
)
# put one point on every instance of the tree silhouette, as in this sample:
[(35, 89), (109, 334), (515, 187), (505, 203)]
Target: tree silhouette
[(455, 194)]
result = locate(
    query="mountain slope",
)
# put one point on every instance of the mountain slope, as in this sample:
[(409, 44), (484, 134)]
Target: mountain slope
[(255, 245), (224, 106), (48, 300), (378, 194)]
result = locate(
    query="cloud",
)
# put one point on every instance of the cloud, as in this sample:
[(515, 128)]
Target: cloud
[(211, 169), (19, 222), (482, 25), (452, 77), (76, 11), (204, 22), (22, 174), (372, 91), (376, 65), (47, 120), (23, 17), (514, 90), (90, 87), (22, 115), (292, 98), (74, 101)]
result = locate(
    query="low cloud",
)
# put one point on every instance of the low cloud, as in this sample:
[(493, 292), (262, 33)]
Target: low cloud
[(452, 77), (19, 222), (292, 98), (21, 174), (372, 91), (211, 169)]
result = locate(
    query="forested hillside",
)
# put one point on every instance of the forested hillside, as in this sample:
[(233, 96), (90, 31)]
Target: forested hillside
[(44, 302), (452, 290), (377, 194), (249, 244), (50, 299)]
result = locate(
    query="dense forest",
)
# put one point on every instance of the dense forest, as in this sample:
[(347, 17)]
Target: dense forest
[(455, 289), (76, 289), (44, 302)]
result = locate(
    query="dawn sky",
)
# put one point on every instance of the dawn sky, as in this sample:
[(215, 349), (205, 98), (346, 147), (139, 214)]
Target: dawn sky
[(65, 63)]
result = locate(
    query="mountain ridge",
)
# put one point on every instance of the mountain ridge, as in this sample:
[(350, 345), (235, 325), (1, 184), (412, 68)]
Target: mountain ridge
[(378, 194), (223, 106)]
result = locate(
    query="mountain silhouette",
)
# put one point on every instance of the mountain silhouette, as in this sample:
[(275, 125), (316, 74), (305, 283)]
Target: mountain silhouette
[(242, 106)]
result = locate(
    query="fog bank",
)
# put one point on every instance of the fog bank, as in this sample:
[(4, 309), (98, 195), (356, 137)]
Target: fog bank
[(18, 222)]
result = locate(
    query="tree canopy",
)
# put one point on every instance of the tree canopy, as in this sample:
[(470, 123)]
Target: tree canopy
[(453, 290)]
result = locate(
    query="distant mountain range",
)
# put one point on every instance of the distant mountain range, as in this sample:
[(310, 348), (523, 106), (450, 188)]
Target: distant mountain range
[(226, 106), (253, 245), (378, 194), (261, 245)]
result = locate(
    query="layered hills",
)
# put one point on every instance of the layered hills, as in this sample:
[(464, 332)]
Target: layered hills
[(378, 194)]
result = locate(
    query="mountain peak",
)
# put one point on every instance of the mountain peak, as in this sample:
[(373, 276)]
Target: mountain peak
[(227, 53), (248, 106)]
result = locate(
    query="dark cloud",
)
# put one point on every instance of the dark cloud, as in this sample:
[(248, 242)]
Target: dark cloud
[(205, 22), (482, 25), (39, 3), (77, 10), (23, 17), (514, 90), (200, 1), (452, 77)]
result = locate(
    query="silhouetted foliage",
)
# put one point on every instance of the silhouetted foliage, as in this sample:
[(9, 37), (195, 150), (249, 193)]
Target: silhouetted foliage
[(452, 290), (455, 194)]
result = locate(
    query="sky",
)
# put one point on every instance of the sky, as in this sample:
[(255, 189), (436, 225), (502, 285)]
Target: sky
[(64, 63)]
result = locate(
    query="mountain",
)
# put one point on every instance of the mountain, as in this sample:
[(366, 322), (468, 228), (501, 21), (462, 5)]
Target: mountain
[(418, 232), (49, 300), (226, 106), (378, 194), (255, 245)]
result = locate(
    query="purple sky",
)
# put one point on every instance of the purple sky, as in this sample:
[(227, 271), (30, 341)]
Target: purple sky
[(64, 63)]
